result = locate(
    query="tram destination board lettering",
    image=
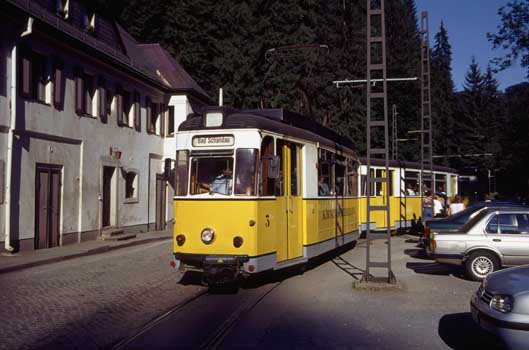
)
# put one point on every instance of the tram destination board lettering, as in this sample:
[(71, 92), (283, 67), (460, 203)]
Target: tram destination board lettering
[(213, 140)]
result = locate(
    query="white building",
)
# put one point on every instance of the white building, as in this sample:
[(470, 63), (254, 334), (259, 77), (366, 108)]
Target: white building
[(86, 122)]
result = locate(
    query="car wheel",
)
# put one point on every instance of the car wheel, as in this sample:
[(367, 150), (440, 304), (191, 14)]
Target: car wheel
[(480, 264)]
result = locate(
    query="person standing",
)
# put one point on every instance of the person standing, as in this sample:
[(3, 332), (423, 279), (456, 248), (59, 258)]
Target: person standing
[(457, 205)]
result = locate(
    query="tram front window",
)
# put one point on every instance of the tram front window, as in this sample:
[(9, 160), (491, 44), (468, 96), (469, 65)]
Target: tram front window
[(213, 175), (246, 172)]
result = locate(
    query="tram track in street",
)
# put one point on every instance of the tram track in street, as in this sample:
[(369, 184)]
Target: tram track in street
[(203, 321)]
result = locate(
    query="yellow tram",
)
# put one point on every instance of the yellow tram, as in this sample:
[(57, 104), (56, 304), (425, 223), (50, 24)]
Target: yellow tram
[(261, 190)]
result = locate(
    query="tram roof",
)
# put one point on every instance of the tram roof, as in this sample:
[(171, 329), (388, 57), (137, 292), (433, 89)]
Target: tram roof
[(277, 120), (406, 165)]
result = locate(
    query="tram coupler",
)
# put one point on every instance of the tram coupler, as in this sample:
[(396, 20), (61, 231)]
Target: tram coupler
[(220, 270)]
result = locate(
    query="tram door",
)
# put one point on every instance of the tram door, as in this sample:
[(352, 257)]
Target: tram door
[(290, 245)]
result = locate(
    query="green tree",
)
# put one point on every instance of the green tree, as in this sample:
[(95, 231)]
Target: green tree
[(513, 34), (444, 136)]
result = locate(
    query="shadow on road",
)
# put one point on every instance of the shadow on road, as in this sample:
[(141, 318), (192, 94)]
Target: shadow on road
[(460, 332), (433, 268), (191, 278), (417, 254), (261, 279)]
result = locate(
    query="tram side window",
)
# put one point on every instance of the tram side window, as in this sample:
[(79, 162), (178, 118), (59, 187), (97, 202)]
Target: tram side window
[(246, 172), (440, 184), (339, 171), (363, 183), (182, 167), (280, 182), (267, 185), (324, 173), (352, 178), (411, 181), (211, 174), (294, 165)]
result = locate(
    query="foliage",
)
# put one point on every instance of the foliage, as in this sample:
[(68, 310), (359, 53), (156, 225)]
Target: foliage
[(445, 136), (223, 43), (513, 34)]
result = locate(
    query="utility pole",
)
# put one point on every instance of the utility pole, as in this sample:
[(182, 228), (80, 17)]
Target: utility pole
[(377, 123), (426, 110)]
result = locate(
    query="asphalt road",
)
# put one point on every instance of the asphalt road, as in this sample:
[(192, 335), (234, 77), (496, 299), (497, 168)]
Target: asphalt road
[(319, 309)]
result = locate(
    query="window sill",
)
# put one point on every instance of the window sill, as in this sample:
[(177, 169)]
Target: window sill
[(86, 115), (34, 100), (131, 200)]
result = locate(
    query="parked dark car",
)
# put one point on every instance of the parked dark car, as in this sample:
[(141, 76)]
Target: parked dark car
[(501, 306)]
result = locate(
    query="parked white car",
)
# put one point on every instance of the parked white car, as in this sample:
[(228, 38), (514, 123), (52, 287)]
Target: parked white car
[(494, 238), (501, 306)]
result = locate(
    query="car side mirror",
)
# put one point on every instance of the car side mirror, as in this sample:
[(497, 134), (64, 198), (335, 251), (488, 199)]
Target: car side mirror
[(273, 165)]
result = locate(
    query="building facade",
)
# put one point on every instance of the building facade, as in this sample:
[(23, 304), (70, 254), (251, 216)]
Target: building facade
[(87, 122)]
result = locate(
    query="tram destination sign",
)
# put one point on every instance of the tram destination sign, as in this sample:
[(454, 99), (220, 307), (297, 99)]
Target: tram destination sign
[(213, 140)]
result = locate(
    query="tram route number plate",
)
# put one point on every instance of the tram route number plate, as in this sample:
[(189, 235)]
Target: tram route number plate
[(213, 140)]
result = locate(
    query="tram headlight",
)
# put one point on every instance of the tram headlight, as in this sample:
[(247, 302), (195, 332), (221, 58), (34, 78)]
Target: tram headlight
[(207, 235)]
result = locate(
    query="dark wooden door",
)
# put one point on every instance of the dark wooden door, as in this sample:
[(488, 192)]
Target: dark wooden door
[(47, 206), (160, 202), (108, 172)]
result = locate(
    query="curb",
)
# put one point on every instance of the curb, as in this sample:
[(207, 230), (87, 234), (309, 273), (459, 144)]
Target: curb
[(93, 251)]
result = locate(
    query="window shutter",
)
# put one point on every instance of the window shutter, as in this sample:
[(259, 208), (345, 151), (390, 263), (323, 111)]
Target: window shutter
[(79, 92), (119, 106), (103, 110), (148, 107), (57, 85), (26, 76), (137, 111), (162, 117)]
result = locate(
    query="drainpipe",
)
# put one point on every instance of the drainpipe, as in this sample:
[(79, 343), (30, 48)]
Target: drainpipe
[(10, 135)]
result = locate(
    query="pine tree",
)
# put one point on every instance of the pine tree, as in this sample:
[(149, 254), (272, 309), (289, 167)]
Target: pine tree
[(444, 135)]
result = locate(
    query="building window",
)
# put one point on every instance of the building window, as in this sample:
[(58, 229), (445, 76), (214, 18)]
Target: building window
[(58, 84), (131, 186), (126, 109), (137, 111), (89, 20), (35, 78), (104, 105), (86, 99), (153, 118), (63, 8), (170, 121)]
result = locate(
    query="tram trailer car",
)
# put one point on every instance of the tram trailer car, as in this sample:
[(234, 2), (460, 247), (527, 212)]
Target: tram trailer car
[(260, 190), (405, 197)]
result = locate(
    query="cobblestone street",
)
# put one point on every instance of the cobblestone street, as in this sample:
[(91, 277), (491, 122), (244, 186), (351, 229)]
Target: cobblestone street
[(90, 302)]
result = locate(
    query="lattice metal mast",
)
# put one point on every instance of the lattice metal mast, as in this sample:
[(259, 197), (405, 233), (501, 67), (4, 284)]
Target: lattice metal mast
[(426, 108), (376, 100)]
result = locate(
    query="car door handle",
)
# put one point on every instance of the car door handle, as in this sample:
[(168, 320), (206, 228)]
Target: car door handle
[(496, 240)]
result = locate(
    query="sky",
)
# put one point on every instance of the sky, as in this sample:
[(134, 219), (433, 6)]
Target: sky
[(467, 23)]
